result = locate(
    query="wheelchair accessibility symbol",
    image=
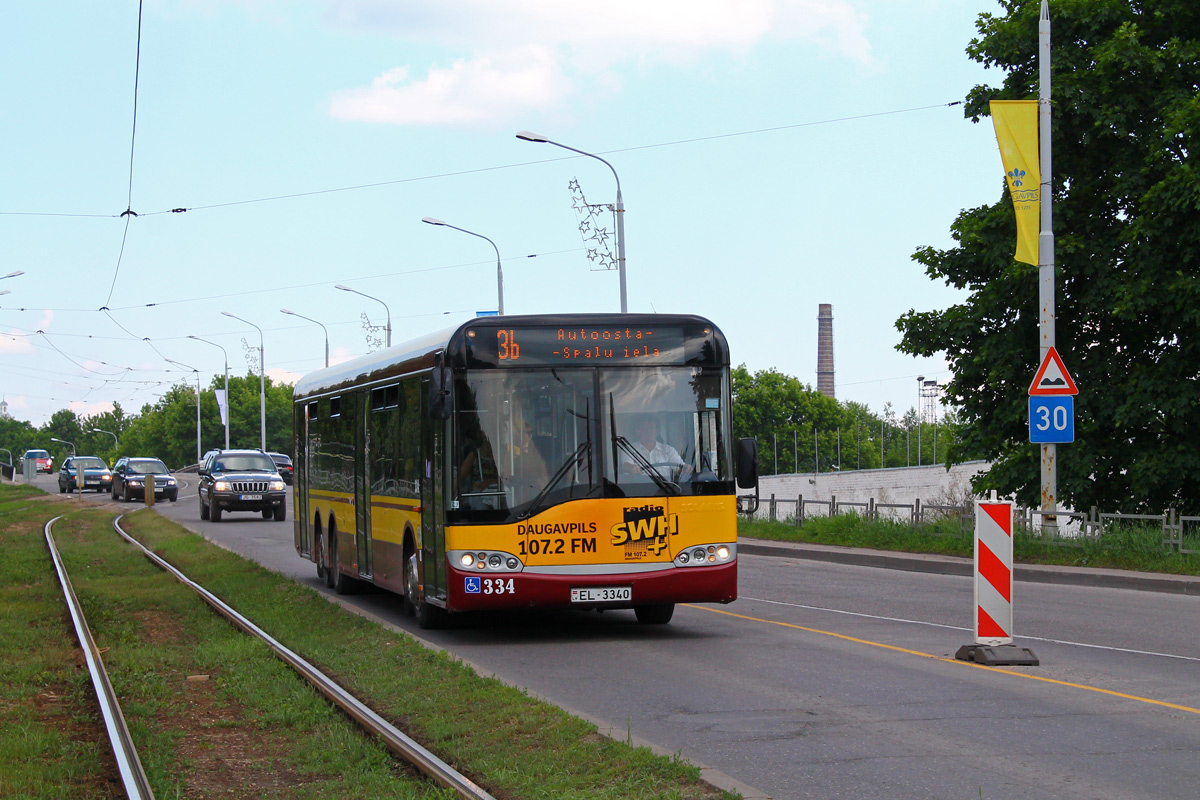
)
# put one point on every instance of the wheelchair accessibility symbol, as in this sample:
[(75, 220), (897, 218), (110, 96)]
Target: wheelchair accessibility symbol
[(472, 585)]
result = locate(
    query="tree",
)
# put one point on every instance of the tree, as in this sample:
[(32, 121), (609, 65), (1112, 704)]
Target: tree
[(1127, 222), (785, 416), (167, 429)]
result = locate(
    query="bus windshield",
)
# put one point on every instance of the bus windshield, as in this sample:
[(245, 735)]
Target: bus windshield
[(526, 440)]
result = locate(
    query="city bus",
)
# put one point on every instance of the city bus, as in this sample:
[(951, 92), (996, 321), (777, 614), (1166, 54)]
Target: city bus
[(543, 461)]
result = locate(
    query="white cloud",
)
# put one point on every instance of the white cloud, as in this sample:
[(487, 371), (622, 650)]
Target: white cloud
[(282, 376), (468, 91), (531, 54)]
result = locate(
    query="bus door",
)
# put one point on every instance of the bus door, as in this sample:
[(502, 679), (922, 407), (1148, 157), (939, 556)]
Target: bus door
[(362, 489), (433, 500), (305, 417)]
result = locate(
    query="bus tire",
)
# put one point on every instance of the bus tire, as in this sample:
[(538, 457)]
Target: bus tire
[(341, 583), (410, 586), (659, 614), (430, 617)]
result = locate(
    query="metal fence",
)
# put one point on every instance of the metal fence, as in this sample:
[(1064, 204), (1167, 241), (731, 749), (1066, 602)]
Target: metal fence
[(1180, 533), (797, 510)]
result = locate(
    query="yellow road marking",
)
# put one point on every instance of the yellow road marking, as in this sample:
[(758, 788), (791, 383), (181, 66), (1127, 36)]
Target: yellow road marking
[(910, 652)]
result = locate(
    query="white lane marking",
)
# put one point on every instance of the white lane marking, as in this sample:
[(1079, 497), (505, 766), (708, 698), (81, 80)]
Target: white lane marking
[(960, 628)]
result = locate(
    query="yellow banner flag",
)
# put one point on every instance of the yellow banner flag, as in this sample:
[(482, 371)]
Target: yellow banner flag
[(1016, 123)]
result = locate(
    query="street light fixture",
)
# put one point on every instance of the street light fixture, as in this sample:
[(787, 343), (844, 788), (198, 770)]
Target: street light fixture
[(68, 444), (310, 319), (262, 380), (222, 349), (110, 433), (16, 274), (388, 329), (619, 208), (499, 271)]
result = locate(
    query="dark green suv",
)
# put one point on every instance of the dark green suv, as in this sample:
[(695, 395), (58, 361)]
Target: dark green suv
[(241, 480)]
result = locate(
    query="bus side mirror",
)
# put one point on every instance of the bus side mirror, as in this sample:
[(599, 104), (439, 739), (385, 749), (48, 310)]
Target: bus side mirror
[(441, 393), (747, 463)]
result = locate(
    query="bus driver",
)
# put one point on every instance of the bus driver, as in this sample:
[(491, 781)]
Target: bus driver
[(664, 458)]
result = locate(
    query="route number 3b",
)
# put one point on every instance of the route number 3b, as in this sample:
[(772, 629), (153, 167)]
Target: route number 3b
[(1052, 419)]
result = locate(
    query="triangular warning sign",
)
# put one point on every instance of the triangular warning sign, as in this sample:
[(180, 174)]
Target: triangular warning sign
[(1052, 377)]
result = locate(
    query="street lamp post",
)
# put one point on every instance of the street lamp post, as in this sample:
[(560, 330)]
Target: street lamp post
[(920, 416), (193, 369), (310, 319), (619, 208), (499, 271), (262, 380), (388, 329), (222, 349), (110, 433)]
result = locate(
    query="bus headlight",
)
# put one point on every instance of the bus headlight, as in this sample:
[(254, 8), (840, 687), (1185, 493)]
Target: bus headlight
[(707, 555), (486, 560)]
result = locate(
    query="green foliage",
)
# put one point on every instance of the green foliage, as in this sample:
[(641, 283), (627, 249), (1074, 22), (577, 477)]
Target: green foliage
[(782, 413), (1127, 223), (168, 428)]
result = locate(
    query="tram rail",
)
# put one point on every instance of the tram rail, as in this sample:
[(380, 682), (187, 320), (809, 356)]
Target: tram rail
[(133, 775), (129, 765)]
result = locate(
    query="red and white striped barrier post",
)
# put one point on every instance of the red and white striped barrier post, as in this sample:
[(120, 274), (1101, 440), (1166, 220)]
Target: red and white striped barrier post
[(993, 610)]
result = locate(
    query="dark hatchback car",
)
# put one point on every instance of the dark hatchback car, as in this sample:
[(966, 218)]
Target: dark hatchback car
[(131, 475), (283, 463), (241, 480), (95, 474)]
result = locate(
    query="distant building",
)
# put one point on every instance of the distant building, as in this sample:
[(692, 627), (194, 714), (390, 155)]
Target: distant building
[(825, 349), (3, 409)]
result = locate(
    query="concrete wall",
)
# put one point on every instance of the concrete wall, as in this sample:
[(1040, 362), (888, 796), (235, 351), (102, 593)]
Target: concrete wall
[(930, 484)]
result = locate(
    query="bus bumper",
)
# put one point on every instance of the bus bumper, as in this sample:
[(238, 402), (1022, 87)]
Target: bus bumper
[(479, 591)]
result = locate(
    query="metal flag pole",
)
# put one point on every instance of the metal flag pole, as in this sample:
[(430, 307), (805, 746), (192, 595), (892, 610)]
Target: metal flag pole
[(1049, 461)]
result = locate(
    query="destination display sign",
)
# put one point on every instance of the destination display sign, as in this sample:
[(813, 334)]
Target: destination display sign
[(581, 345)]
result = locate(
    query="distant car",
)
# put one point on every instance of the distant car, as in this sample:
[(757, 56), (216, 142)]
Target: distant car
[(96, 475), (241, 480), (283, 463), (130, 475), (45, 461)]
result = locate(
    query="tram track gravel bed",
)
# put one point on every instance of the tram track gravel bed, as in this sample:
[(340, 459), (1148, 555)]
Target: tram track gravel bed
[(216, 715)]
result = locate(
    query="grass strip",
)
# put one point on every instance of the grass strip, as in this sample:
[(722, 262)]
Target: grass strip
[(1130, 547), (204, 700)]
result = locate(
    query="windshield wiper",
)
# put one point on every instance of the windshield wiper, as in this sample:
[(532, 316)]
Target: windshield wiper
[(646, 467), (571, 460)]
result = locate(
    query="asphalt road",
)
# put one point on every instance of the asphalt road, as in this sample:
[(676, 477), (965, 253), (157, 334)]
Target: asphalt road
[(827, 681)]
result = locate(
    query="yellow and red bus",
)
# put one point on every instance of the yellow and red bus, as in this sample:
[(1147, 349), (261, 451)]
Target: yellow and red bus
[(576, 460)]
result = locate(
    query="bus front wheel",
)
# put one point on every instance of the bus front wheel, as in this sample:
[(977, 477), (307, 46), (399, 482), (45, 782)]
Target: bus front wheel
[(654, 615)]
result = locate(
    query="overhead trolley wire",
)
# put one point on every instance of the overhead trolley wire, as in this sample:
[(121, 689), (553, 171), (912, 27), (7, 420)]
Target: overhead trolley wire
[(458, 173), (129, 213)]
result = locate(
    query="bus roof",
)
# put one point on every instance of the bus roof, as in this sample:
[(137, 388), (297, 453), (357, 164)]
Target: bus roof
[(419, 354)]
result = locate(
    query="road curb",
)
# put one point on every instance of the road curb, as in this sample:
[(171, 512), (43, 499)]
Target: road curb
[(955, 565)]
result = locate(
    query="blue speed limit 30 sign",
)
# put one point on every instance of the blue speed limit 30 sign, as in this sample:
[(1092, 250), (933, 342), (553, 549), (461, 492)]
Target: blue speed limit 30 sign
[(1051, 419)]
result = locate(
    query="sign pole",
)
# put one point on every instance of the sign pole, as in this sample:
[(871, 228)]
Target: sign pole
[(1049, 454)]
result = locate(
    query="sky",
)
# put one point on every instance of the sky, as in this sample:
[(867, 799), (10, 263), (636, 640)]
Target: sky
[(247, 156)]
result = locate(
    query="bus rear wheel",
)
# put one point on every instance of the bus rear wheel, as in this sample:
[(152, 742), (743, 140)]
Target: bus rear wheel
[(340, 582), (654, 615)]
